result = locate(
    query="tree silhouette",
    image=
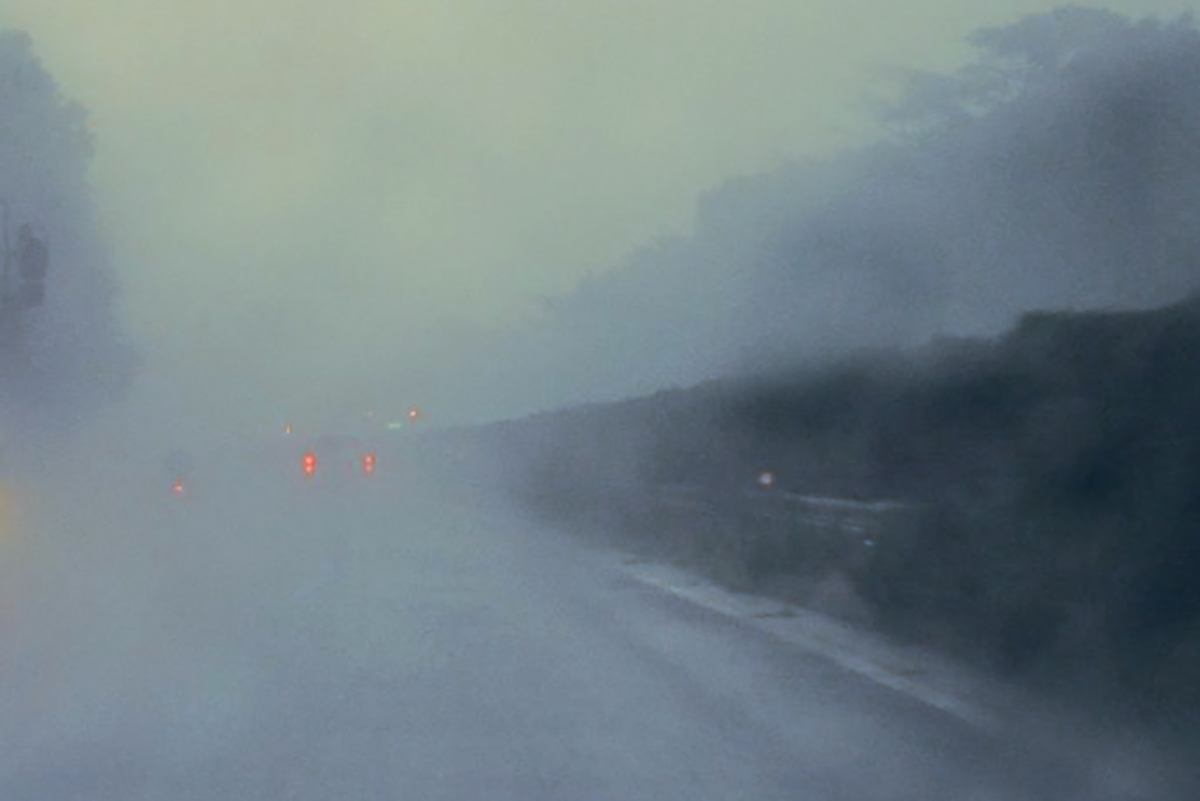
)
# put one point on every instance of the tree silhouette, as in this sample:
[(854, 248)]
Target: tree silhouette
[(71, 355)]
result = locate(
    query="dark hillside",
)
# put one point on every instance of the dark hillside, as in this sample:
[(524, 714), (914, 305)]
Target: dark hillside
[(1051, 478)]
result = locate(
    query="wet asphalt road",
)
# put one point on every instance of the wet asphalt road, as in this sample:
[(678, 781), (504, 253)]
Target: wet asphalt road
[(262, 639)]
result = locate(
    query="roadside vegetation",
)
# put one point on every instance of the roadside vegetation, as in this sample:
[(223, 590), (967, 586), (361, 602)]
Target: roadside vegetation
[(1031, 503), (65, 357)]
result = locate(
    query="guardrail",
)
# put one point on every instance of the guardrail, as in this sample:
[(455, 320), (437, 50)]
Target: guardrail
[(852, 517)]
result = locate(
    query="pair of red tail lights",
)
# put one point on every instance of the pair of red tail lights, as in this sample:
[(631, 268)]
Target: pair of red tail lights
[(309, 463)]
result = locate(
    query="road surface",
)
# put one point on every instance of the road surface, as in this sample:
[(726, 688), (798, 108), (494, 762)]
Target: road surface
[(261, 640)]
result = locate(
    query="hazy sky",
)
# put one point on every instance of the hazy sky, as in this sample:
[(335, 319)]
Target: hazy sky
[(301, 193)]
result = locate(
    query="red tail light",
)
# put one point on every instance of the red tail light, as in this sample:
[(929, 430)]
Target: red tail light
[(177, 487), (309, 463), (368, 463)]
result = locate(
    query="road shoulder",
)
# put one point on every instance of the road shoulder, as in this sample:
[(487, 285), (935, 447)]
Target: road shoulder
[(1121, 763)]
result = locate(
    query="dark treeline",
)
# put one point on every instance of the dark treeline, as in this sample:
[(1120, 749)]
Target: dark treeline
[(70, 356), (1054, 474), (1057, 169)]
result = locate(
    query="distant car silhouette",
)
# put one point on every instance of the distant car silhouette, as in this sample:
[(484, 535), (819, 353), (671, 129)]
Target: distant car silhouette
[(334, 459), (179, 466)]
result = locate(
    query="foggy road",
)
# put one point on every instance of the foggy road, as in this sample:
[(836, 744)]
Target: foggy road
[(260, 640), (608, 256)]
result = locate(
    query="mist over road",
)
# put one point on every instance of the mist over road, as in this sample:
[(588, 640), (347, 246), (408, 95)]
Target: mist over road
[(262, 639)]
